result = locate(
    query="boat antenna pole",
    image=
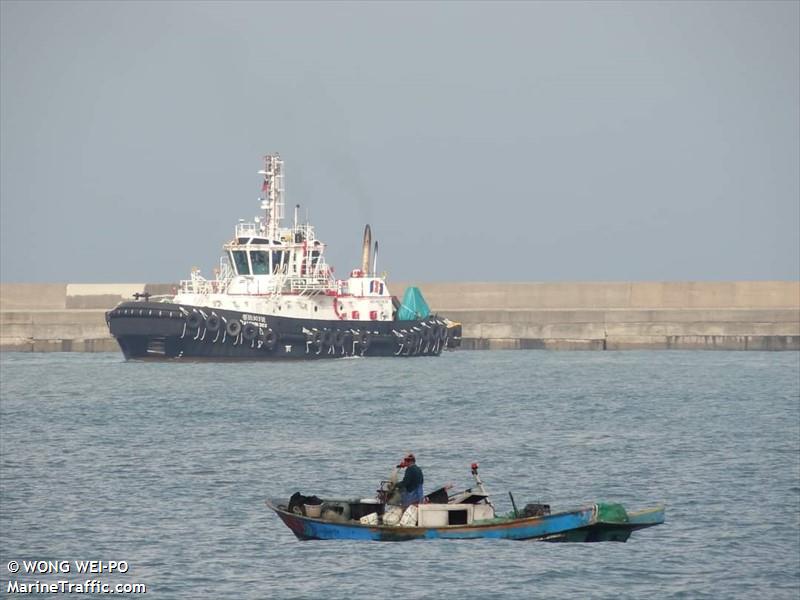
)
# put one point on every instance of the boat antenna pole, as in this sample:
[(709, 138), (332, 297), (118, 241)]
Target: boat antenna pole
[(480, 483), (375, 260), (513, 504)]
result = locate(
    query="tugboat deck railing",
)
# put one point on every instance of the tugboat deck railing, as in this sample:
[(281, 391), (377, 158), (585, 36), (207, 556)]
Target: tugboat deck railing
[(309, 284), (285, 234), (247, 230), (200, 286)]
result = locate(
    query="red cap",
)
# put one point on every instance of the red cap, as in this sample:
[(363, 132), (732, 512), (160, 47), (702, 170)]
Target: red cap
[(407, 460)]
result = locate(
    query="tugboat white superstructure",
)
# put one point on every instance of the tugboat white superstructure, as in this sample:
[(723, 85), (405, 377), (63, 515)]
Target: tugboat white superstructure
[(274, 296)]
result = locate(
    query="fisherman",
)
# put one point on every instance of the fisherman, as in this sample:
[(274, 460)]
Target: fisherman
[(411, 486)]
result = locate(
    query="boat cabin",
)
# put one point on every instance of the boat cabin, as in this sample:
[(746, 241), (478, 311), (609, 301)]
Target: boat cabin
[(368, 511)]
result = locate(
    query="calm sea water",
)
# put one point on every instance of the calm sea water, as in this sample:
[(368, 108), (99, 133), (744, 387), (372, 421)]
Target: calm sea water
[(166, 466)]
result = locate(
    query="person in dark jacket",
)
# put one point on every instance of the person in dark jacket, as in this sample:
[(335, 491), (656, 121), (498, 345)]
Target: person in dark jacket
[(411, 486)]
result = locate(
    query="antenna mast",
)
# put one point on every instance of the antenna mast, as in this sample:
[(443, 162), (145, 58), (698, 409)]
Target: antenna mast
[(272, 188)]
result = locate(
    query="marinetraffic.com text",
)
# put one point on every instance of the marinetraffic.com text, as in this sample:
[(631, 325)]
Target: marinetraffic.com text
[(84, 570)]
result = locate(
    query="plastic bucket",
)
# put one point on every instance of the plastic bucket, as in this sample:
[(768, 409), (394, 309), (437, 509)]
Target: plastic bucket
[(313, 510)]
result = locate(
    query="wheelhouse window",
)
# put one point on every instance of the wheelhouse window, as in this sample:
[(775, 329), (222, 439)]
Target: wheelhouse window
[(240, 262), (260, 262), (278, 258), (314, 257)]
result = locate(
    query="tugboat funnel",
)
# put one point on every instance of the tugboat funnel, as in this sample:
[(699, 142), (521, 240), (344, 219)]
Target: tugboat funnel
[(365, 250)]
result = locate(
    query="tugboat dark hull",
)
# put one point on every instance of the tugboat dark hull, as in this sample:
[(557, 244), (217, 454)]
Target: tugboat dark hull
[(159, 330)]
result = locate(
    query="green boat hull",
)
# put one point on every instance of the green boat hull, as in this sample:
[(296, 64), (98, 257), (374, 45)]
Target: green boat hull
[(613, 524)]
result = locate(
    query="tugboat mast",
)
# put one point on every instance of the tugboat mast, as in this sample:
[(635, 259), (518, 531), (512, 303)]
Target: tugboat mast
[(272, 202)]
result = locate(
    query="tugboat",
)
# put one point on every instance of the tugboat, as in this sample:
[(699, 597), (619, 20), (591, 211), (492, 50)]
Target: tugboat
[(274, 297)]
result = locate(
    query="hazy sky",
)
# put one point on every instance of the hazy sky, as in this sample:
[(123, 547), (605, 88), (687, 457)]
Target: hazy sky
[(522, 141)]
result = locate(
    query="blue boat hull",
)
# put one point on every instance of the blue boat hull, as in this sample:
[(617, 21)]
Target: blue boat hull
[(583, 524)]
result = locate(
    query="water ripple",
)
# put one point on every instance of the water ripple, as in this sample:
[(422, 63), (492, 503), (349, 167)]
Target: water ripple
[(167, 466)]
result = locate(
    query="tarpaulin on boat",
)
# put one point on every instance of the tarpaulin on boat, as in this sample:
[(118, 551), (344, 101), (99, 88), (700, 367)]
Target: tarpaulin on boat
[(413, 306)]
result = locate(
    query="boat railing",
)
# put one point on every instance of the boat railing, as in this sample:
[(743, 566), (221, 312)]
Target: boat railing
[(300, 285), (247, 230), (276, 283), (318, 279), (201, 286), (298, 233), (198, 286), (285, 235), (225, 273)]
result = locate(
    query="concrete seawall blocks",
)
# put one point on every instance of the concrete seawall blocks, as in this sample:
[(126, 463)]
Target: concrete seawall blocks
[(54, 331), (722, 342), (745, 315), (742, 315), (594, 295)]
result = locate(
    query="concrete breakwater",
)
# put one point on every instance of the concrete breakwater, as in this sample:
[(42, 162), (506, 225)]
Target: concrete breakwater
[(743, 315)]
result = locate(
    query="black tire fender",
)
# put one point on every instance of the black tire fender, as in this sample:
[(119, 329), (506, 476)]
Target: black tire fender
[(213, 323), (338, 338), (194, 320), (250, 331), (364, 340), (270, 339), (233, 328), (412, 343), (347, 342)]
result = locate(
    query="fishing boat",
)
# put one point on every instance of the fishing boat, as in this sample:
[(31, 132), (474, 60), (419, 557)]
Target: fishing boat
[(274, 297), (469, 514)]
